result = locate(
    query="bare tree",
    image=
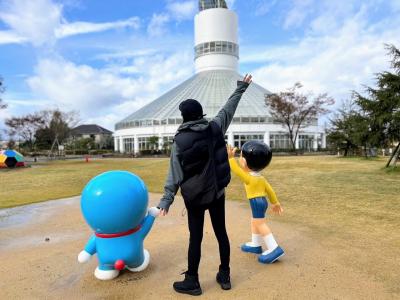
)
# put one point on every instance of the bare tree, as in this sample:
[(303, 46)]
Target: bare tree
[(2, 104), (25, 127), (57, 126), (42, 128), (296, 110)]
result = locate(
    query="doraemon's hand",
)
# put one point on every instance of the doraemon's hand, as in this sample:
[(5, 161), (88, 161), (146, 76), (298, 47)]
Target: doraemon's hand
[(154, 211), (84, 257)]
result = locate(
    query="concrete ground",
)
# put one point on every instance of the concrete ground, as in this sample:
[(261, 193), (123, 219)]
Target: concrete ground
[(39, 245)]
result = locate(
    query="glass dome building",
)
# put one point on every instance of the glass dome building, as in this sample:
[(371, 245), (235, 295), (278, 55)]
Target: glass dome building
[(216, 55)]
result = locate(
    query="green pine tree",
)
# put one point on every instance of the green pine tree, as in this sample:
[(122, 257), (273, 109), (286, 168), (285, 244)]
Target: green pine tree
[(381, 105)]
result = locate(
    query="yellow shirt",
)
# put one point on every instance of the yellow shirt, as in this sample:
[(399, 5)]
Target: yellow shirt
[(255, 185)]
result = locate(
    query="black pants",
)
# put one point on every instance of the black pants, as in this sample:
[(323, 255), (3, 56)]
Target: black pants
[(196, 223)]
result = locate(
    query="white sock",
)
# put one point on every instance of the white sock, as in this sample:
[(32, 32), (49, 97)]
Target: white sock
[(270, 242), (256, 239)]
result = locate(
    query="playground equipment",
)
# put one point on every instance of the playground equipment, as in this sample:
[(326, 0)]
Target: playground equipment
[(11, 159), (394, 157), (114, 204)]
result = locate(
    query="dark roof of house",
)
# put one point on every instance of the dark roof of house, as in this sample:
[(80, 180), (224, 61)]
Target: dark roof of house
[(90, 129)]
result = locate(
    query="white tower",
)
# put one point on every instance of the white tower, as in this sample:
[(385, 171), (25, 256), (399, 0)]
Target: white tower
[(216, 61), (216, 37)]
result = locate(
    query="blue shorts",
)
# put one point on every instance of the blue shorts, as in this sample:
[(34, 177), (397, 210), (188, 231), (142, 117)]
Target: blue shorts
[(258, 206)]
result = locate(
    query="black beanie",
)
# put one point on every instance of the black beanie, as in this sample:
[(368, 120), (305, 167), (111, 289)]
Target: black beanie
[(191, 110)]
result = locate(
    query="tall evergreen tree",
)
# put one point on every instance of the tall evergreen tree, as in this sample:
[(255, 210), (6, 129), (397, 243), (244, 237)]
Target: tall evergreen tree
[(381, 105), (342, 134)]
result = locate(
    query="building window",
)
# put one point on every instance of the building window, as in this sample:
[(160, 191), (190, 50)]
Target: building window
[(222, 47), (167, 142), (207, 4), (254, 120), (241, 139), (306, 142), (279, 141), (129, 145), (148, 143)]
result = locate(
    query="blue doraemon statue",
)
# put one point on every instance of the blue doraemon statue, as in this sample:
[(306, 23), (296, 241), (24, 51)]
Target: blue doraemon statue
[(114, 204)]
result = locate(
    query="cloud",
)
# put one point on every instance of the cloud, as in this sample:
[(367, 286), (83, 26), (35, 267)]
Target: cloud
[(10, 37), (41, 22), (79, 86), (298, 12), (27, 20), (182, 10), (75, 28), (264, 6), (177, 11), (336, 61), (104, 95), (123, 54), (158, 25)]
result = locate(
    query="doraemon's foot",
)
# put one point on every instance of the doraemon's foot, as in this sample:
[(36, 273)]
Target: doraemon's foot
[(271, 257), (105, 274), (251, 248), (144, 265)]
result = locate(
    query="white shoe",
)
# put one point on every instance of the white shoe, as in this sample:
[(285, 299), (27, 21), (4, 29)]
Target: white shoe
[(105, 274), (145, 263)]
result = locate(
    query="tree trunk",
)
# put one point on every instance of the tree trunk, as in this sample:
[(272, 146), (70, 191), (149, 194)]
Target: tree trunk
[(291, 140), (394, 156)]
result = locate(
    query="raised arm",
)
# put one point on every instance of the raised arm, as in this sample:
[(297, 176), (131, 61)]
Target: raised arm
[(245, 177), (225, 115)]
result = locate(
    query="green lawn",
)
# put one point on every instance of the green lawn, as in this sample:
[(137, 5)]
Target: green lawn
[(60, 179), (350, 205)]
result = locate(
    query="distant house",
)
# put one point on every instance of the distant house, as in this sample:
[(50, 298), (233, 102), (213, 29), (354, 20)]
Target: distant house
[(3, 145), (101, 137), (6, 144)]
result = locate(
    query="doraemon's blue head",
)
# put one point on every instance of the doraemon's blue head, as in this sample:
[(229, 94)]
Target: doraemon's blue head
[(114, 202)]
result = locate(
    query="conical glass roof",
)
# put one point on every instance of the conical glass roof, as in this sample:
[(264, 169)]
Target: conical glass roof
[(212, 89)]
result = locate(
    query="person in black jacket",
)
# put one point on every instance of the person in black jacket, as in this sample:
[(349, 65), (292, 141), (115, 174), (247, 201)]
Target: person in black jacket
[(202, 178)]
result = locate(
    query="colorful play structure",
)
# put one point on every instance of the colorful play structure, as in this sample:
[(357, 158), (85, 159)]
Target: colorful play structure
[(11, 159)]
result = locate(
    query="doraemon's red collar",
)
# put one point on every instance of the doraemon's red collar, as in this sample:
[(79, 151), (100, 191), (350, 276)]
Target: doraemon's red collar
[(115, 235)]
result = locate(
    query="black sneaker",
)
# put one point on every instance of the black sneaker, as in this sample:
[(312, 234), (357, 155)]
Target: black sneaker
[(190, 285), (224, 279)]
